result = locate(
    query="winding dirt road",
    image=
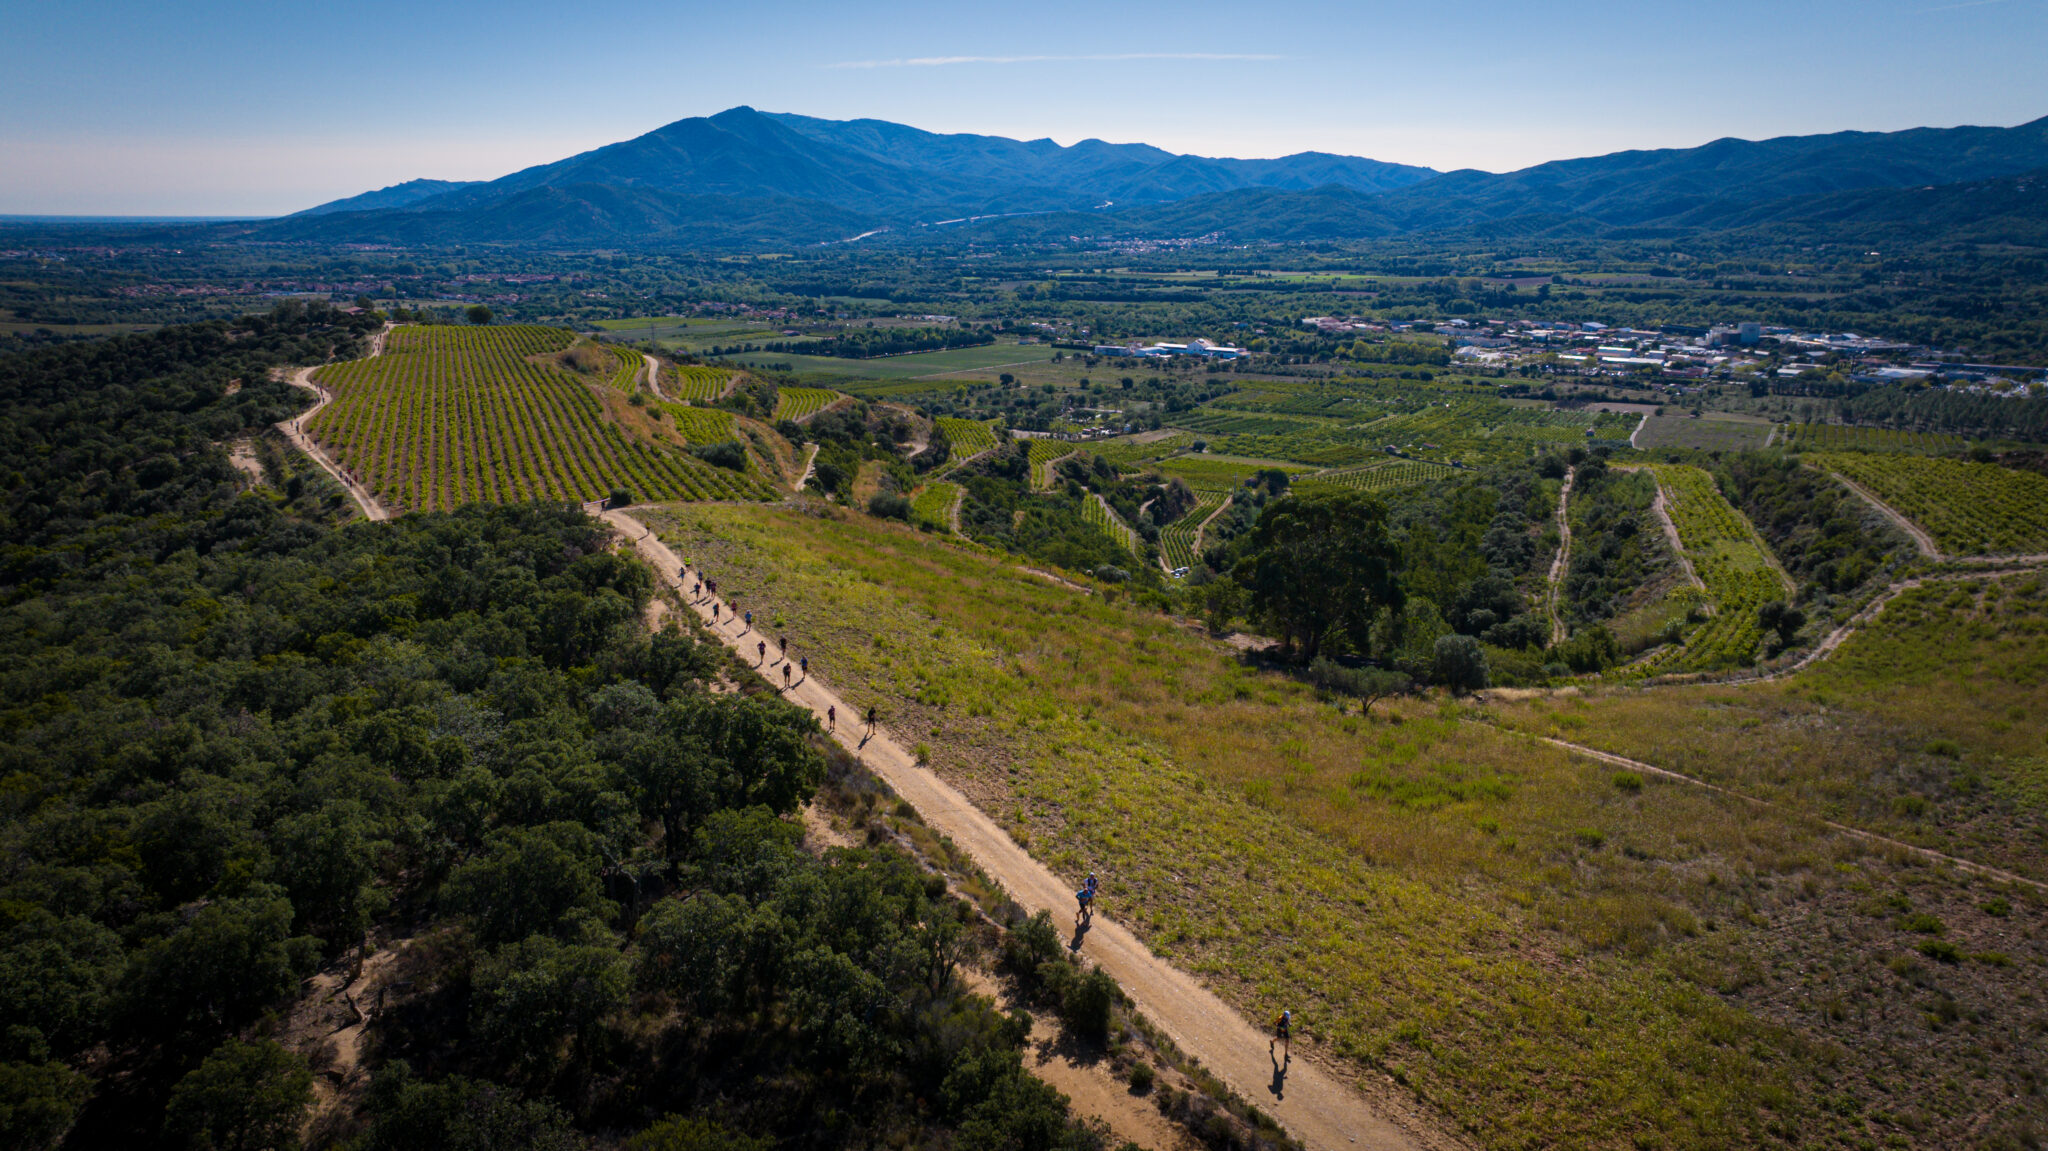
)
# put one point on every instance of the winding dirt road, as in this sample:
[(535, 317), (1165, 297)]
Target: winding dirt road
[(1921, 539), (295, 431), (1564, 555), (1313, 1105)]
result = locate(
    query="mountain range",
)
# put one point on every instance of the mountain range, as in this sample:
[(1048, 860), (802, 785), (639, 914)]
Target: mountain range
[(745, 178)]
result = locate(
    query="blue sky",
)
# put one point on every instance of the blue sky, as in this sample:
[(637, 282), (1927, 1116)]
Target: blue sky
[(235, 107)]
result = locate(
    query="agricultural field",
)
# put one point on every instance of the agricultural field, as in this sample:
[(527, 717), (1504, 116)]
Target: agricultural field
[(1379, 477), (1969, 508), (1445, 425), (968, 437), (932, 505), (1846, 438), (702, 425), (1545, 951), (952, 361), (694, 381), (449, 416), (1710, 432), (1132, 454), (1206, 473), (1105, 520), (1042, 453), (1731, 562), (1177, 542), (796, 403)]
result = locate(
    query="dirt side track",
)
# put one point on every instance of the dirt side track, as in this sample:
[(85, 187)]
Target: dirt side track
[(1313, 1105)]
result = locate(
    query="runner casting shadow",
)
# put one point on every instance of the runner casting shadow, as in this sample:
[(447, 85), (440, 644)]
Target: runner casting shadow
[(1279, 1084)]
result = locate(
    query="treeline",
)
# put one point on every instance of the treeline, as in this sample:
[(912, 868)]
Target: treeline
[(242, 746), (1977, 415), (867, 343)]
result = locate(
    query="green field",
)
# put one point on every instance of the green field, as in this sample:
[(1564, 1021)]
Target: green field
[(449, 416), (1379, 477), (1205, 473), (968, 437), (796, 403), (694, 382), (1843, 438), (1713, 431), (932, 505), (1547, 957), (954, 361), (1106, 521), (1969, 508), (1177, 539), (1732, 563)]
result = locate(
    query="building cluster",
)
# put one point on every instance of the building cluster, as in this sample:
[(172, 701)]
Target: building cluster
[(1203, 348)]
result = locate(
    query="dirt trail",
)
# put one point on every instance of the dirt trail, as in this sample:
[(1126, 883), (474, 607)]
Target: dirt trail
[(242, 454), (295, 431), (1203, 528), (1563, 558), (1921, 539), (654, 377), (810, 462), (1314, 1105), (1985, 870), (1663, 511), (953, 512)]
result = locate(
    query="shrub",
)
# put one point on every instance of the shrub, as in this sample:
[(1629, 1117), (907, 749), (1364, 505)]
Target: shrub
[(1922, 923), (1590, 838), (1940, 949), (1460, 663), (1945, 748), (245, 1097), (619, 498), (1141, 1077), (1628, 781), (1087, 1003), (1997, 907), (725, 455), (889, 506), (1029, 945)]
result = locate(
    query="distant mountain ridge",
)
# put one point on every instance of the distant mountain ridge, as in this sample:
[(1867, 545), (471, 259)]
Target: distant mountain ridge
[(744, 178)]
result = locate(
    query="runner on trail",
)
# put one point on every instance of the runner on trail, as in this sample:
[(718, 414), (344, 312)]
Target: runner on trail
[(805, 663), (832, 718), (1085, 913), (750, 627), (714, 611), (761, 651), (871, 720), (785, 646), (785, 676), (1282, 1029)]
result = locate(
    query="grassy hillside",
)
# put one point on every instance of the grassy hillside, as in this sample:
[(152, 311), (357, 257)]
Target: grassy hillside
[(1548, 952)]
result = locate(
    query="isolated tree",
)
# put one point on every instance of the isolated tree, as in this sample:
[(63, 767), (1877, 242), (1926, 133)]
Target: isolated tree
[(1460, 663), (245, 1097), (479, 314), (1321, 565)]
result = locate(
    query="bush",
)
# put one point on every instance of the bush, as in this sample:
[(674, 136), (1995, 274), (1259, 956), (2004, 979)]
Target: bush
[(245, 1097), (1030, 945), (1460, 663), (1141, 1077), (1922, 923), (1087, 1003), (1628, 781), (619, 498), (889, 506), (38, 1103), (1940, 949), (728, 455), (1369, 684)]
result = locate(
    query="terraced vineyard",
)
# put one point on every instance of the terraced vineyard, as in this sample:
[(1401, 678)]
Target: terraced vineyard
[(932, 505), (448, 416), (796, 403), (1730, 561), (1128, 455), (1204, 473), (968, 437), (1841, 438), (1381, 477), (627, 366), (1043, 453), (1969, 508), (1096, 512), (694, 382), (1177, 539), (702, 425)]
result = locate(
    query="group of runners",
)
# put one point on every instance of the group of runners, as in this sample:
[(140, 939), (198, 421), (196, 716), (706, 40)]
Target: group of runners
[(1084, 914)]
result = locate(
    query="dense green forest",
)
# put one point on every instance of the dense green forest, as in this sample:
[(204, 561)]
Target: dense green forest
[(241, 745)]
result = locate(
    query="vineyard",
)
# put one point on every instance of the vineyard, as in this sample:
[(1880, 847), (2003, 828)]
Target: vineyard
[(796, 403), (1730, 561), (702, 425), (968, 437), (1206, 474), (1177, 540), (1380, 477), (627, 366), (1043, 453), (1129, 455), (1336, 427), (932, 505), (1969, 508), (1843, 438), (1099, 514), (449, 416), (694, 382)]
